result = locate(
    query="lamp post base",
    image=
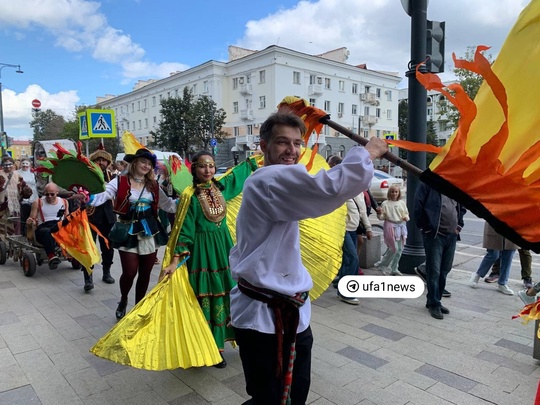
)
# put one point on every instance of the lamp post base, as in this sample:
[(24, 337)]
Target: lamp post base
[(412, 257)]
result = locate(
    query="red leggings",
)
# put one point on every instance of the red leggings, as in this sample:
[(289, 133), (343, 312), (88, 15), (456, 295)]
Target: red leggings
[(132, 263)]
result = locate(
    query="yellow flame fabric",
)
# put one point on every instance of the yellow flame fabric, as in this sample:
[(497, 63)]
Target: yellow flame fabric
[(131, 144), (491, 163), (166, 330)]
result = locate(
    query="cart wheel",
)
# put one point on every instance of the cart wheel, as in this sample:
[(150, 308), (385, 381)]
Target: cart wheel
[(3, 252), (29, 264), (75, 265)]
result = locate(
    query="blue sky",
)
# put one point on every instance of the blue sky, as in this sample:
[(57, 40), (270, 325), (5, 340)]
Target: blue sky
[(72, 51)]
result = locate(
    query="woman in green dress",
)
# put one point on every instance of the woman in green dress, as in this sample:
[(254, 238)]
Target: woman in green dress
[(205, 237)]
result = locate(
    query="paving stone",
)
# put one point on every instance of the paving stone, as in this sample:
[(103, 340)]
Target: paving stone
[(8, 317), (21, 395), (6, 284), (192, 398), (446, 377), (517, 347), (362, 357), (383, 332), (504, 361), (372, 312)]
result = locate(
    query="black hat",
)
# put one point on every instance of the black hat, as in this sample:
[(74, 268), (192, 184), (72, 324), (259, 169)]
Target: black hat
[(142, 153)]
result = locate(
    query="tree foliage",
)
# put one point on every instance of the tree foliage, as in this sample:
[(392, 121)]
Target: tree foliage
[(188, 123), (470, 82), (431, 139), (403, 112), (47, 125)]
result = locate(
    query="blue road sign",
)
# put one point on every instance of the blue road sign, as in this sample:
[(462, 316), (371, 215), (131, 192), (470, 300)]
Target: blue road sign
[(83, 126), (101, 123), (213, 142)]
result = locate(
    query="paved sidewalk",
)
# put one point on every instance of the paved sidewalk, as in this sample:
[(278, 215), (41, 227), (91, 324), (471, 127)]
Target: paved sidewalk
[(384, 351)]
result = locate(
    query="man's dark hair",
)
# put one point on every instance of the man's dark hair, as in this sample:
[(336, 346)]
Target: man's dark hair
[(334, 160), (280, 118)]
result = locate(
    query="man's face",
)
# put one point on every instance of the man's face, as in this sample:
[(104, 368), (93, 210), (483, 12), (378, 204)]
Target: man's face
[(284, 146), (50, 194), (8, 166), (102, 163)]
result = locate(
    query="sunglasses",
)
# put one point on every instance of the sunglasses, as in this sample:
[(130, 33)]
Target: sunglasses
[(49, 194), (7, 164)]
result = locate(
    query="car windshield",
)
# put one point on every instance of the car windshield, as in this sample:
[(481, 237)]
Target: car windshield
[(382, 175)]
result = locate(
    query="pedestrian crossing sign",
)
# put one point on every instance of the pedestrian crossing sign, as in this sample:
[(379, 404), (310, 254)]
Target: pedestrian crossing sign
[(390, 137), (83, 126), (101, 123)]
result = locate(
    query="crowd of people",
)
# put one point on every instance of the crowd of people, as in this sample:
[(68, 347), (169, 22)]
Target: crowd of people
[(247, 292)]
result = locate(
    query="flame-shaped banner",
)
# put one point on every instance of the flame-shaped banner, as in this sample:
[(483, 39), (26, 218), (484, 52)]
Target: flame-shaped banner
[(491, 164)]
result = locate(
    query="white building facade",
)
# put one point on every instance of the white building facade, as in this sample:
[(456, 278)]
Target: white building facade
[(251, 85)]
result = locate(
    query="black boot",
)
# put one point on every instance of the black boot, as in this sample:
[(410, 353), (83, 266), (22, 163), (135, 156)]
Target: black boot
[(121, 310), (107, 278), (88, 281)]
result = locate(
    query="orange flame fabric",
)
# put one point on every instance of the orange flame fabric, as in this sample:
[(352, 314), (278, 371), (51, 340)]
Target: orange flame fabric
[(491, 162), (75, 238)]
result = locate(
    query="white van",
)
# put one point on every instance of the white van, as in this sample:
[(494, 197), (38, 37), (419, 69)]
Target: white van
[(161, 156)]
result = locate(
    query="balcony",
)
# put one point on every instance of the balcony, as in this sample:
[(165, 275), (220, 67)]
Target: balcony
[(247, 139), (313, 139), (369, 120), (246, 89), (370, 98), (246, 114), (315, 90)]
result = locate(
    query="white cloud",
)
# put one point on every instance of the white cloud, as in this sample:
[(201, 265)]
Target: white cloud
[(377, 32), (77, 26), (17, 108)]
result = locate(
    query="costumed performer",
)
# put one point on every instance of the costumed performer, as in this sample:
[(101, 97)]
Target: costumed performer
[(205, 237), (138, 233)]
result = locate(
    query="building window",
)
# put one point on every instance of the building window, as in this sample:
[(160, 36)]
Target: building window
[(195, 88), (134, 125), (235, 107), (378, 92), (366, 110), (235, 83), (312, 102), (146, 122), (326, 105), (354, 109), (341, 85), (327, 83), (389, 95), (355, 88), (378, 112), (176, 93), (367, 89), (366, 133), (312, 79), (168, 94), (160, 98), (378, 133), (127, 124), (250, 129), (153, 101), (140, 124), (430, 112), (296, 77), (132, 107), (155, 119), (138, 106), (262, 76), (205, 86), (340, 108), (236, 131), (262, 102), (389, 114)]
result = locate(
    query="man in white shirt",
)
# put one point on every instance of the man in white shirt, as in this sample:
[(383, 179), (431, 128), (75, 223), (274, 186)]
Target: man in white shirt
[(270, 309)]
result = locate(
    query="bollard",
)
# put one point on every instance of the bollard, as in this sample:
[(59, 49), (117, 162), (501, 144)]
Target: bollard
[(370, 252)]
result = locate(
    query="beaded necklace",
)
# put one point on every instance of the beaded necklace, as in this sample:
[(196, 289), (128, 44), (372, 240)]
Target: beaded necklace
[(212, 202)]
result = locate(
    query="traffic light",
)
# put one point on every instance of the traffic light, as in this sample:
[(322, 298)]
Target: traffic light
[(435, 46), (3, 139)]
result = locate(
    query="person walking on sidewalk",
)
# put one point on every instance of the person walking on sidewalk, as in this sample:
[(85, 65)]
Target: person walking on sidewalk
[(395, 215), (497, 246), (273, 283), (525, 259), (440, 220), (103, 218)]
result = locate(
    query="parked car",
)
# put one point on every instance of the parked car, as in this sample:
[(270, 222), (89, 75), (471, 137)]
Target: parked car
[(381, 183), (221, 170)]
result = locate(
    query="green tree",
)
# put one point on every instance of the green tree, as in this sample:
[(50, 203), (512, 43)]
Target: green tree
[(187, 124), (47, 125), (431, 138), (403, 112), (470, 82)]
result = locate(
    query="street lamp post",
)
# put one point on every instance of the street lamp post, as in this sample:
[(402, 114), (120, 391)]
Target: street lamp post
[(2, 132)]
